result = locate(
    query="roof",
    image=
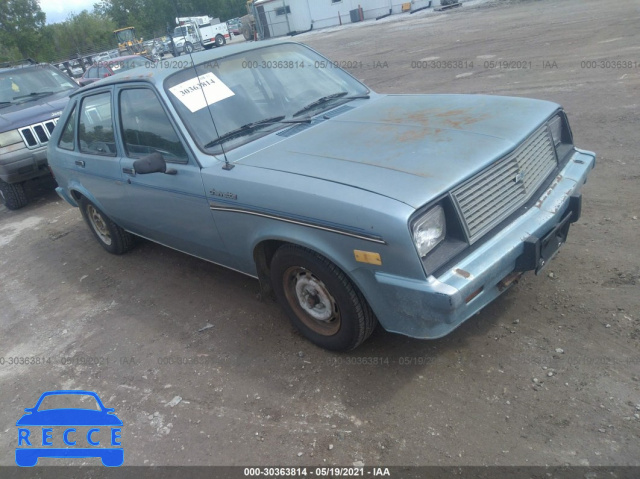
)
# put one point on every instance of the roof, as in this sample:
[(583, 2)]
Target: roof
[(12, 65), (164, 68)]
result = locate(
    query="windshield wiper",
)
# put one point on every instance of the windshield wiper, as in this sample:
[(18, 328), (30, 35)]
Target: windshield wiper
[(34, 95), (249, 127), (325, 99), (5, 103)]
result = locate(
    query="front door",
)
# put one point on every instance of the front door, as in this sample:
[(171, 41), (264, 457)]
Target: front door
[(171, 209)]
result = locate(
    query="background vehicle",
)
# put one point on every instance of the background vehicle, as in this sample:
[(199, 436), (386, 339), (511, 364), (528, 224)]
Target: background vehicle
[(111, 67), (104, 56), (32, 97), (248, 23), (235, 26), (194, 32), (128, 44)]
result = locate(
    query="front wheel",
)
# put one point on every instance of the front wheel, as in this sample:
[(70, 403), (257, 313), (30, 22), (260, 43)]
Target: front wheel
[(188, 47), (220, 41), (13, 195), (320, 300), (112, 238)]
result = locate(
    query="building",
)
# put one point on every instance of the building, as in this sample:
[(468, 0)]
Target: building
[(277, 18)]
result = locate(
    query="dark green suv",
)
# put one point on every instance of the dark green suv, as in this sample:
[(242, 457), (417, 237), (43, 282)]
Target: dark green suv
[(32, 97)]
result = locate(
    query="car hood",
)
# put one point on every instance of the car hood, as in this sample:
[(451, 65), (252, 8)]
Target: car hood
[(407, 147), (35, 111)]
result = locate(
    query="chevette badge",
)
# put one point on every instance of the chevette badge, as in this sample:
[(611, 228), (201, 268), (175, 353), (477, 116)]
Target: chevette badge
[(220, 194)]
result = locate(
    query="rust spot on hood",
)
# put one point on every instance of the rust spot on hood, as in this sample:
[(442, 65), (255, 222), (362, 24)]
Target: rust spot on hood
[(431, 122)]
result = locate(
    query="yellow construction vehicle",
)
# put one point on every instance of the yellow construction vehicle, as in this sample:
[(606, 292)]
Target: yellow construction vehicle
[(128, 44), (249, 23)]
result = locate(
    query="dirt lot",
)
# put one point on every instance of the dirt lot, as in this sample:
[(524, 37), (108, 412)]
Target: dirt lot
[(549, 374)]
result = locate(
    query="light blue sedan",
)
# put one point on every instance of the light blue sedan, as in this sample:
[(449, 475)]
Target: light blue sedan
[(351, 207)]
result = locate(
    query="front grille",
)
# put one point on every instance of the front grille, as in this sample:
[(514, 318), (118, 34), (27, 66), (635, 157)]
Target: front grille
[(38, 134), (493, 194)]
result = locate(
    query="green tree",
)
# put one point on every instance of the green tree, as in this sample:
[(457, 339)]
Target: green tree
[(21, 22)]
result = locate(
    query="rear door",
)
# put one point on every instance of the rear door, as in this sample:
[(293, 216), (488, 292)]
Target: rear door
[(97, 165)]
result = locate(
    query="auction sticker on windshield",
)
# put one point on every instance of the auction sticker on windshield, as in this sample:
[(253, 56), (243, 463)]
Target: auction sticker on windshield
[(201, 91)]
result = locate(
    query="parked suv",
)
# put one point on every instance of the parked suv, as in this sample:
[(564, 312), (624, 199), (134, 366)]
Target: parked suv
[(32, 97)]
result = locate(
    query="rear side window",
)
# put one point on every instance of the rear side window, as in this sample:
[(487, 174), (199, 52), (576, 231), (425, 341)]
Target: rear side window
[(66, 139), (146, 128), (96, 135), (92, 73)]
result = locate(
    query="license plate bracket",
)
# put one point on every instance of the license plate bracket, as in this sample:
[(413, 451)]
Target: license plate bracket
[(551, 243), (538, 252)]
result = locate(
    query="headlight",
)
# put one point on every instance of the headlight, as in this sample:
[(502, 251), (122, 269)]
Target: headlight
[(9, 138), (429, 230), (555, 125)]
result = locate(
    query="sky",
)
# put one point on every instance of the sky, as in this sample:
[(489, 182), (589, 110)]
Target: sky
[(57, 11)]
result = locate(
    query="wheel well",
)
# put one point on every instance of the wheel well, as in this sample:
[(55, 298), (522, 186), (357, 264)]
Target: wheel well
[(262, 256), (76, 195)]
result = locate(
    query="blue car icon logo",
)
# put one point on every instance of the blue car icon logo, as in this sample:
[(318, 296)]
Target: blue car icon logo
[(69, 432)]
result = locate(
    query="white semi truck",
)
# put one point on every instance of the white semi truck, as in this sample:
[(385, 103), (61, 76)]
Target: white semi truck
[(203, 31)]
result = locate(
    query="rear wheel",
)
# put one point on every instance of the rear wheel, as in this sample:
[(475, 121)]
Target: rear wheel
[(112, 238), (320, 300), (13, 195), (220, 41)]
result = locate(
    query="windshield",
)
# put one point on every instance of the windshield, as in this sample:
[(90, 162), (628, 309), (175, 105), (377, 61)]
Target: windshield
[(287, 82), (180, 32), (24, 84), (126, 35)]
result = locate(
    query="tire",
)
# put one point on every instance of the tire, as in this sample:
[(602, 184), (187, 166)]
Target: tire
[(13, 195), (188, 47), (112, 238), (247, 33), (220, 40), (340, 318)]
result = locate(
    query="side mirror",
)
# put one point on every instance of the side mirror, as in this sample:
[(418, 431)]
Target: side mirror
[(153, 163)]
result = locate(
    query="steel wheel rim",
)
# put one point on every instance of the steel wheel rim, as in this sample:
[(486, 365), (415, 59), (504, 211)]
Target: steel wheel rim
[(98, 224), (311, 301)]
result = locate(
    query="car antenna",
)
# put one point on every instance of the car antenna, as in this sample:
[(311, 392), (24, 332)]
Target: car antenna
[(227, 165)]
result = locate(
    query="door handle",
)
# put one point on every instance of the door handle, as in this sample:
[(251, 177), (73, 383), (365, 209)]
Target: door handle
[(80, 163), (129, 171)]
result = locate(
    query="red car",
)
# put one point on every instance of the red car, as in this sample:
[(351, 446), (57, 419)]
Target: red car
[(110, 67)]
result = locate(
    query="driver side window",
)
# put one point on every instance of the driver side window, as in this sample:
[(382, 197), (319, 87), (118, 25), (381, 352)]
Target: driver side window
[(146, 128)]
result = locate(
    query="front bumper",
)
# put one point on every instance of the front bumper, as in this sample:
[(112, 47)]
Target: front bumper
[(23, 164), (435, 307)]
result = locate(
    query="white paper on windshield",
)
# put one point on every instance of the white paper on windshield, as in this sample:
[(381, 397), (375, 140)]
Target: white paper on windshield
[(201, 91)]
